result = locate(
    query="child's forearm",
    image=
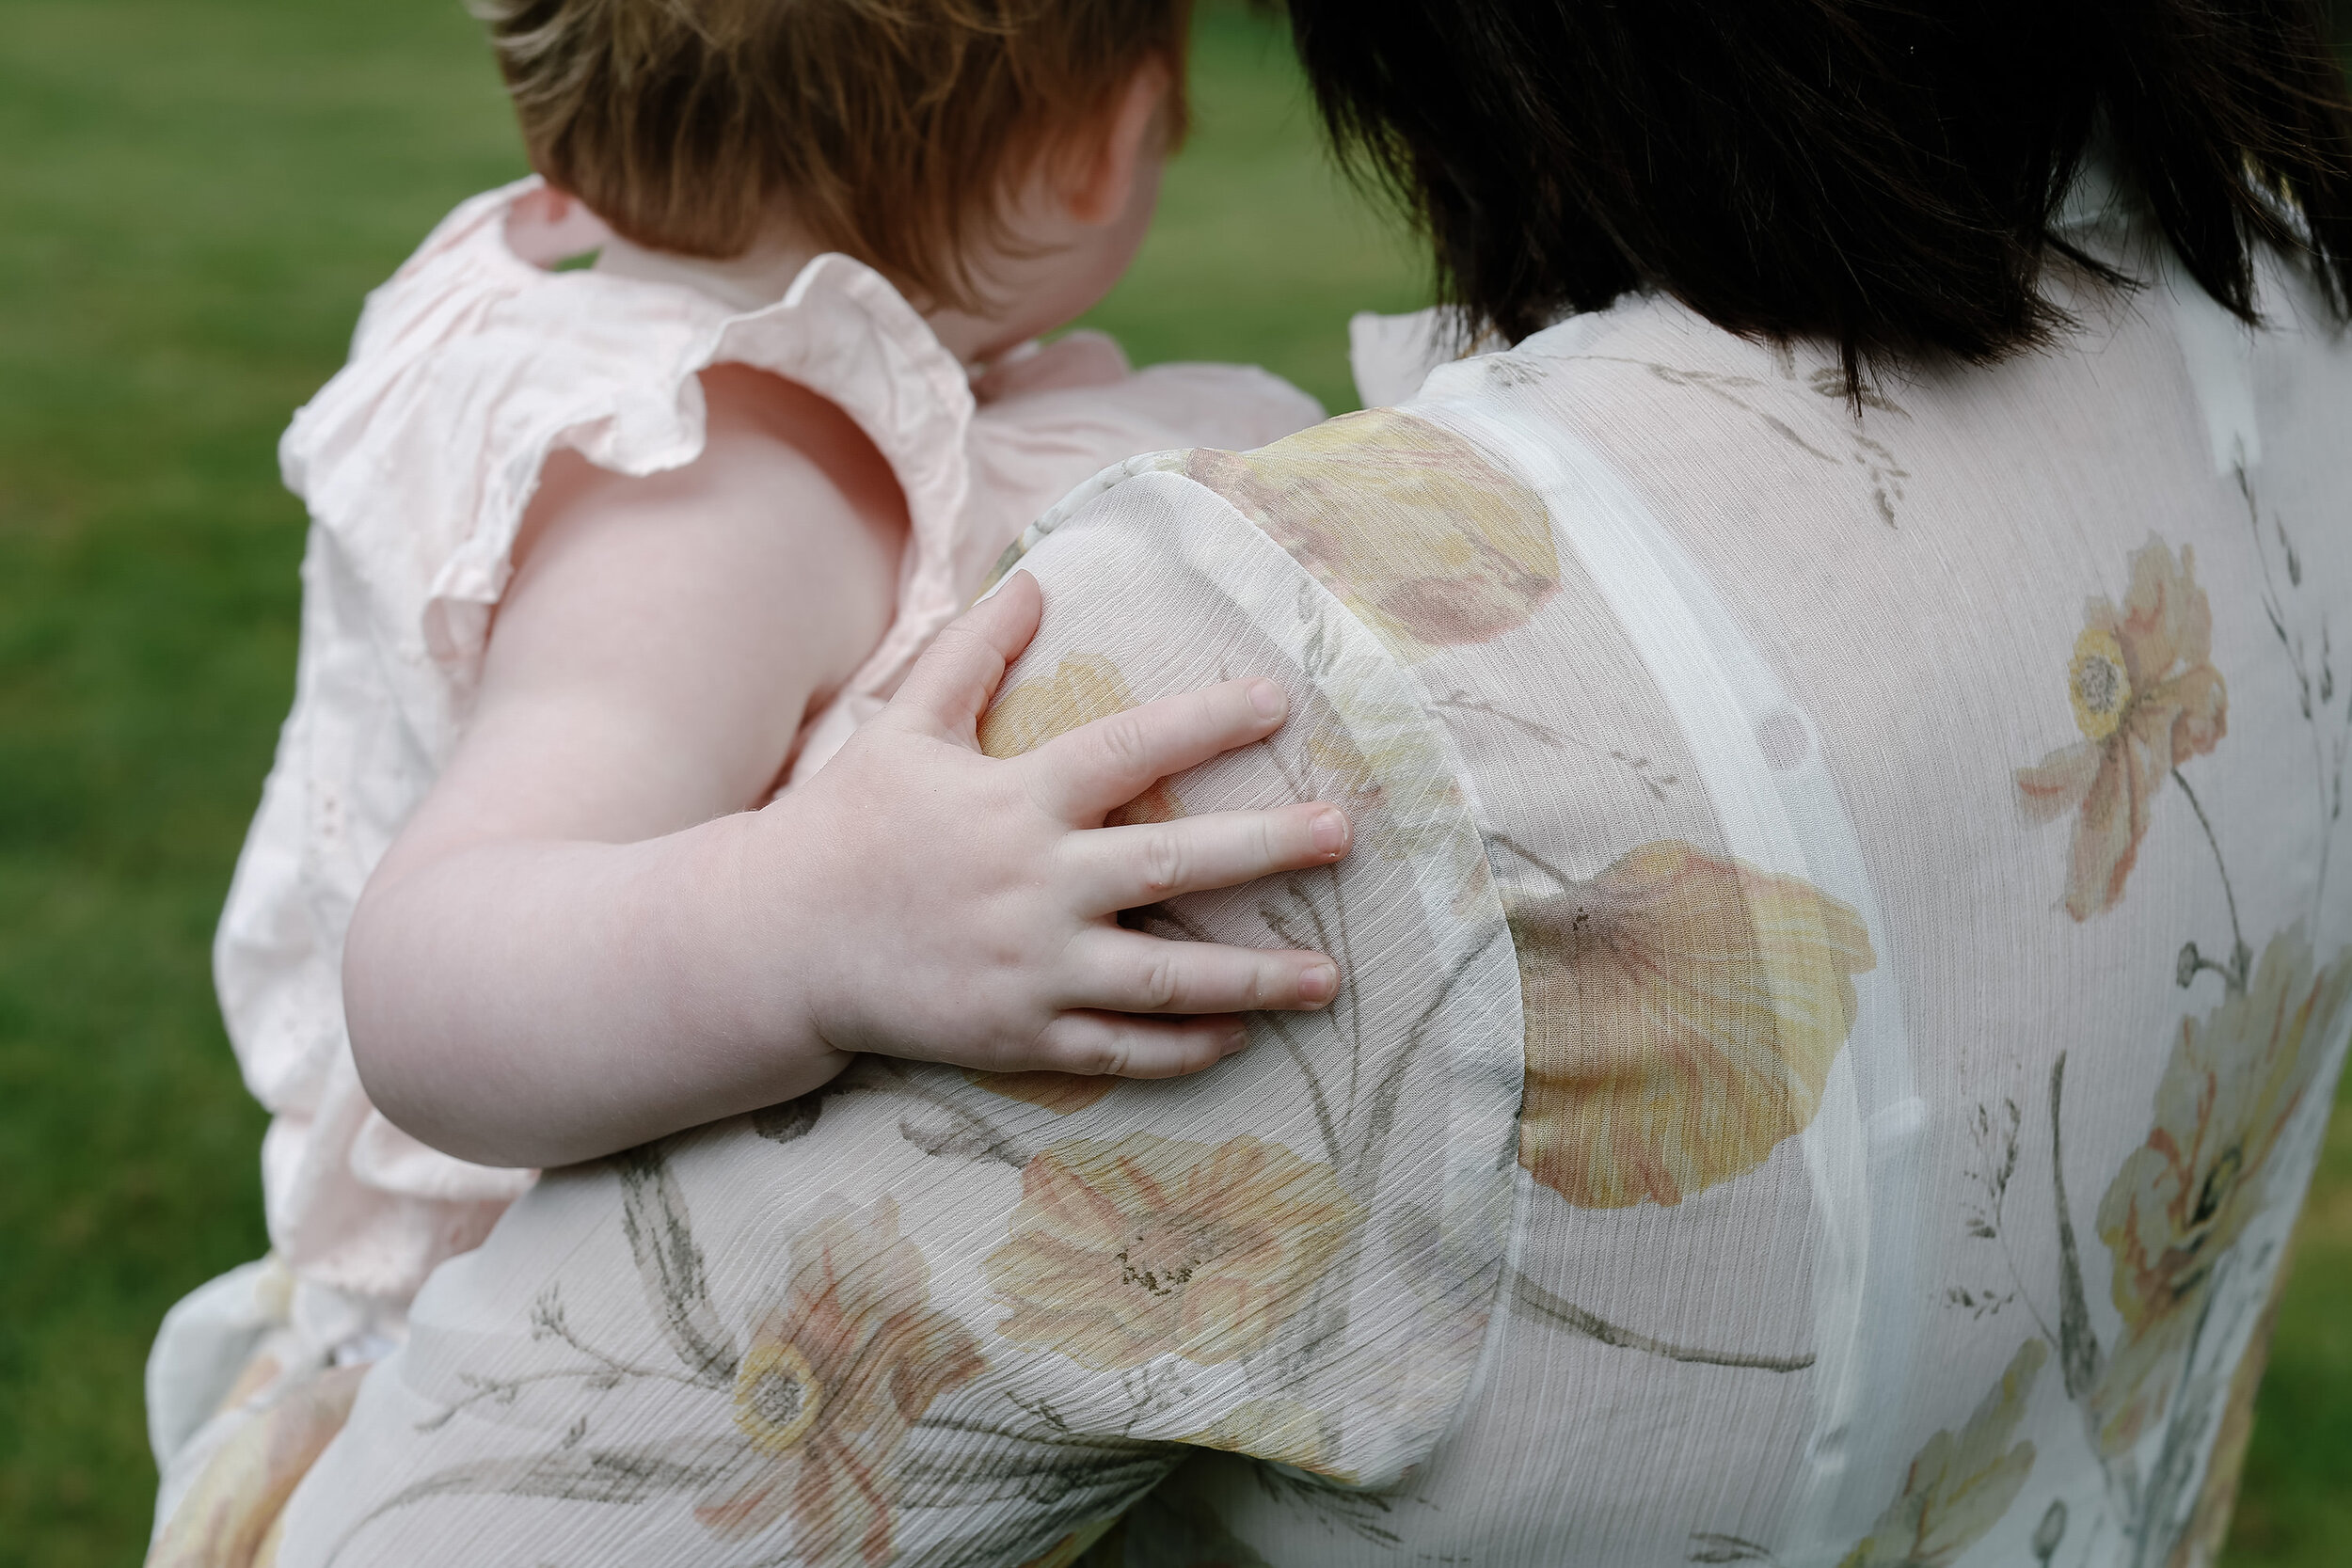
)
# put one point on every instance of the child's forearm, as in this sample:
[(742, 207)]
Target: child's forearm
[(537, 1004), (516, 998)]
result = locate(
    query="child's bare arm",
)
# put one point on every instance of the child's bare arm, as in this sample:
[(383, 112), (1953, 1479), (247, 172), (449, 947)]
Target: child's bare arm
[(584, 939)]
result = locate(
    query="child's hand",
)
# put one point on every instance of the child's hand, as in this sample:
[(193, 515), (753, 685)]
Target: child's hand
[(966, 906)]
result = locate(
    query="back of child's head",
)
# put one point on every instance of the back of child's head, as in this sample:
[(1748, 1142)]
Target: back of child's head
[(891, 130)]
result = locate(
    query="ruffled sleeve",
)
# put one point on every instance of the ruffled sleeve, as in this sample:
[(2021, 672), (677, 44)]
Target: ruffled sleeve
[(472, 367)]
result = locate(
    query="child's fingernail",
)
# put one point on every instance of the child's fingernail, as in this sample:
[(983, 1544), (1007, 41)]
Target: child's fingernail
[(1319, 984), (1234, 1039), (1329, 832), (1266, 697)]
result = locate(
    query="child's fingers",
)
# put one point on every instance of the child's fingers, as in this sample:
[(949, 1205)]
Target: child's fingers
[(1098, 767), (1126, 972), (951, 684), (1111, 1045), (1124, 867)]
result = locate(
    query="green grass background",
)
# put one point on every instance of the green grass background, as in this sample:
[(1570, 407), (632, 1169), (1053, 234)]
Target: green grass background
[(194, 196)]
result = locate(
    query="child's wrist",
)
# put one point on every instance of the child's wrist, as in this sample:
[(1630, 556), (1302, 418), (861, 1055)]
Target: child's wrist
[(783, 895)]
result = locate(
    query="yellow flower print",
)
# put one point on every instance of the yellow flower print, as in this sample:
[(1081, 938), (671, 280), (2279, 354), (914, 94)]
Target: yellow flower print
[(2146, 698), (1059, 1092), (1283, 1431), (2100, 682), (777, 1396), (1682, 1014), (2185, 1196), (1411, 527), (1085, 688), (834, 1381), (1962, 1482), (1125, 1250)]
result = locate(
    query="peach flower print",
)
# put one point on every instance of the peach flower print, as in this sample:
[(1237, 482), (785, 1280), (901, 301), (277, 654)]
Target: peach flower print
[(832, 1383), (2183, 1197), (1411, 527), (1682, 1014), (2146, 698), (1129, 1249)]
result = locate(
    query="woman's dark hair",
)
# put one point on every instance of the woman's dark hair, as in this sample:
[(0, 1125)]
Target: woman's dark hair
[(1880, 173)]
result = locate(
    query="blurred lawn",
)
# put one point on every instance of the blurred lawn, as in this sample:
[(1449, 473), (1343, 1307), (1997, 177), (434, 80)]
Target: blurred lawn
[(195, 195)]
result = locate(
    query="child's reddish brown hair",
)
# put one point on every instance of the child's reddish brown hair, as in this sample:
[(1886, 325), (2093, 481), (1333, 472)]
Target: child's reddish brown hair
[(891, 130)]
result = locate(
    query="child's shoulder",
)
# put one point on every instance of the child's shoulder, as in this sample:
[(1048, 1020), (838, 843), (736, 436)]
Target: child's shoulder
[(485, 355)]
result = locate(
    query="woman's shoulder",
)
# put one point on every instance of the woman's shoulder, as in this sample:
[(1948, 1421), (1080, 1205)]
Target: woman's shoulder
[(1418, 532)]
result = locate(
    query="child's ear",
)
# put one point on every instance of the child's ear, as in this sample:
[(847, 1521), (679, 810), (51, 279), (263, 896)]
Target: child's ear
[(1098, 182)]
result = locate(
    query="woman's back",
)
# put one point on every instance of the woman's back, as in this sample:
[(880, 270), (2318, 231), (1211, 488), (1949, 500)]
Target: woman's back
[(1916, 816), (1914, 830), (1912, 834)]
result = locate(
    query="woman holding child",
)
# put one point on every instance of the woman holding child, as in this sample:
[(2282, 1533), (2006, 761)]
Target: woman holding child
[(1840, 983)]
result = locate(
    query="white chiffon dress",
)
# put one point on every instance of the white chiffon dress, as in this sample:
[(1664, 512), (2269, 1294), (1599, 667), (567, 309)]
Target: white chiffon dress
[(1846, 979)]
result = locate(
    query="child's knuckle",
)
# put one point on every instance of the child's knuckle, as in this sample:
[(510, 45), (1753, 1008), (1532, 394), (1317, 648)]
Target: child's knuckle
[(1161, 983), (1164, 863), (1125, 744)]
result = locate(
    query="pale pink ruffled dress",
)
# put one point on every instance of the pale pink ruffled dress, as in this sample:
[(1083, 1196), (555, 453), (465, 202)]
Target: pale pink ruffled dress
[(470, 367)]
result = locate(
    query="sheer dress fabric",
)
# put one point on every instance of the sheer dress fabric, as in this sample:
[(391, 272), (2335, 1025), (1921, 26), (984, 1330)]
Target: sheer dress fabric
[(1846, 979), (470, 367)]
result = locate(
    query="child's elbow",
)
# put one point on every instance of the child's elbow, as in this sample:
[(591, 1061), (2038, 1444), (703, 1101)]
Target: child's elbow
[(399, 1047)]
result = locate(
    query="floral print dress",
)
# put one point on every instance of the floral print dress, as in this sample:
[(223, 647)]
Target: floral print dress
[(1846, 983)]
